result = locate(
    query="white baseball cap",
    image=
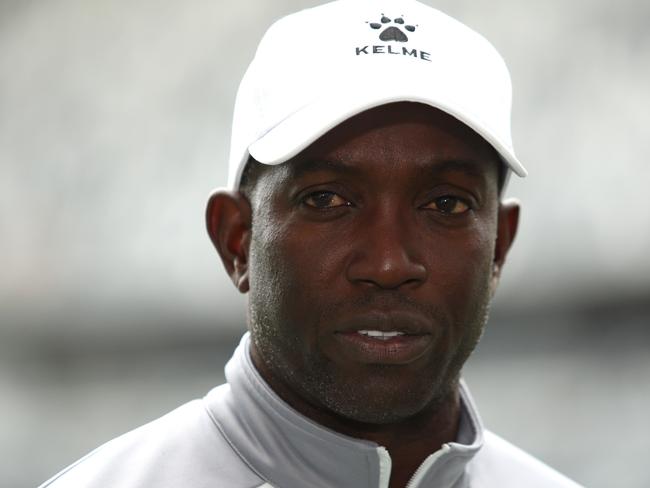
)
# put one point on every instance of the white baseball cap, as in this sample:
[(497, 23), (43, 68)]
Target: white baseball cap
[(318, 67)]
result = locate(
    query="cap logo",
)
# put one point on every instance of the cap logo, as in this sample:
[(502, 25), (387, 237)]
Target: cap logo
[(392, 32)]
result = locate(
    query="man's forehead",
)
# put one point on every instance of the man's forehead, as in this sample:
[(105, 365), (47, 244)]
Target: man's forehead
[(430, 139), (299, 167), (407, 179)]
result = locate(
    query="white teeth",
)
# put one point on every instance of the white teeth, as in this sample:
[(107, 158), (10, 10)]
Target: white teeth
[(377, 334)]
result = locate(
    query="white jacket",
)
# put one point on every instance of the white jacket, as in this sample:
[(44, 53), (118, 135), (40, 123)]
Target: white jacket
[(242, 435)]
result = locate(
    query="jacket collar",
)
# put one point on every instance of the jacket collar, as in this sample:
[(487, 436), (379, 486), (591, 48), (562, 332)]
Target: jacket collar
[(288, 449)]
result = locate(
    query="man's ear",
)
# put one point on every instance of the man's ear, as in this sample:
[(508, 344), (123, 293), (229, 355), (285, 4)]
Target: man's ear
[(228, 218), (507, 224)]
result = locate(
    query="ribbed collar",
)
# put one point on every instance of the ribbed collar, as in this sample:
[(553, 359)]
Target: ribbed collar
[(289, 450)]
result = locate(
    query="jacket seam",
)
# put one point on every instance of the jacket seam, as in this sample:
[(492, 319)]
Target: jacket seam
[(232, 446)]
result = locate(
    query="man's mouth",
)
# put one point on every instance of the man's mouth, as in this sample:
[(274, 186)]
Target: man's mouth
[(381, 335), (373, 346), (396, 337)]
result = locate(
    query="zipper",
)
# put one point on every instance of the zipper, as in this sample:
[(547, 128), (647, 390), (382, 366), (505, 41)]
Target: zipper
[(416, 479), (385, 465)]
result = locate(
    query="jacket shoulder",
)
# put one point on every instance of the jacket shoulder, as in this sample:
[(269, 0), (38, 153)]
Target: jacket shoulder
[(501, 464), (182, 448)]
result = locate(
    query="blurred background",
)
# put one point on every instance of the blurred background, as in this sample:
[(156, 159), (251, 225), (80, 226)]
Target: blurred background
[(114, 309)]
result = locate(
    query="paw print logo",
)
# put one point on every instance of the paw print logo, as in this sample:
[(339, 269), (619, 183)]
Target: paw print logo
[(392, 32)]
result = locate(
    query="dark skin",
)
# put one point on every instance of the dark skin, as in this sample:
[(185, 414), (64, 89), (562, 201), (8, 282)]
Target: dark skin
[(392, 221)]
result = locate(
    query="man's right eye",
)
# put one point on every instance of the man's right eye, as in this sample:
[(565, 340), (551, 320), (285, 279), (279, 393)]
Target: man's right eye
[(325, 200)]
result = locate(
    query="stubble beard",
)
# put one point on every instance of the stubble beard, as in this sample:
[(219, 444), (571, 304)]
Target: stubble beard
[(316, 381)]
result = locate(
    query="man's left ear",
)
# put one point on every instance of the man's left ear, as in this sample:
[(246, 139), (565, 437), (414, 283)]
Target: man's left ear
[(508, 221)]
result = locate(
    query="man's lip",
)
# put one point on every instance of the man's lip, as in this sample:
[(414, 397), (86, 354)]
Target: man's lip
[(408, 323), (403, 349)]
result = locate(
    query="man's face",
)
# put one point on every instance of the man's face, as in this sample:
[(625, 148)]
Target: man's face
[(386, 226)]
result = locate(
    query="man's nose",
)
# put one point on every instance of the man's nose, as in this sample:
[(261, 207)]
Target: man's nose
[(386, 253)]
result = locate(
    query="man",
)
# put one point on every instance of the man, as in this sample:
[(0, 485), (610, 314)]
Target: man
[(370, 149)]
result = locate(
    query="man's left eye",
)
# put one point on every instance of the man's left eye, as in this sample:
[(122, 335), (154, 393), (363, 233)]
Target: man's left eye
[(325, 199), (448, 204)]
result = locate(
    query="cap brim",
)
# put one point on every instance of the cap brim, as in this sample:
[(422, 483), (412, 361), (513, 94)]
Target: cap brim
[(303, 127)]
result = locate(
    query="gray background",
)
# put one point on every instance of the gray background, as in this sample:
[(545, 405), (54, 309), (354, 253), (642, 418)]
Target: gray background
[(114, 126)]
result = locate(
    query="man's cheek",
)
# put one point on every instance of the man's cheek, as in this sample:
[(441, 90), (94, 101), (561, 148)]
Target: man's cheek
[(464, 279)]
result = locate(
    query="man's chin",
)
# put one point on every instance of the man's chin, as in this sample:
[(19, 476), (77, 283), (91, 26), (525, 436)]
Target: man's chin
[(383, 404)]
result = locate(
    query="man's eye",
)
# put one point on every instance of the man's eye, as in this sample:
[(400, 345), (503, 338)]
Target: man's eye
[(449, 205), (325, 199)]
